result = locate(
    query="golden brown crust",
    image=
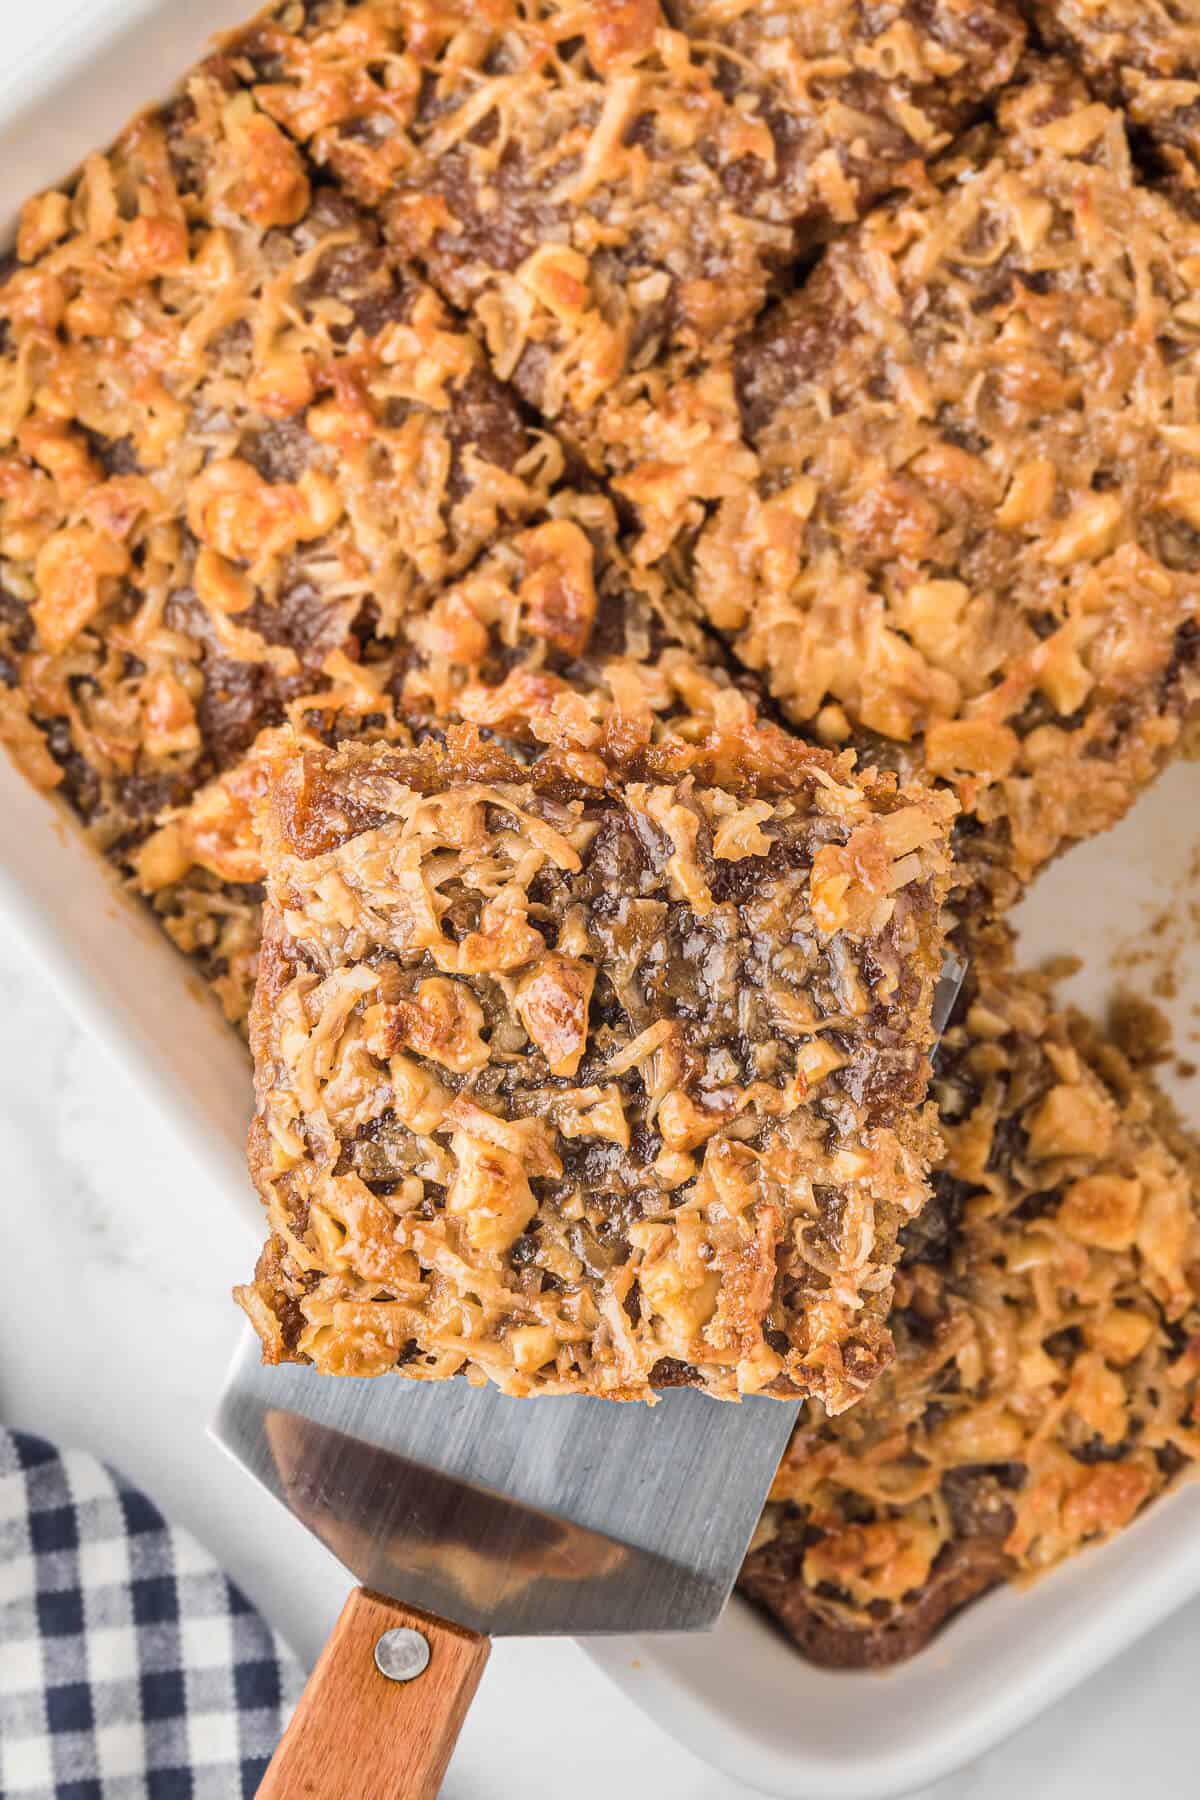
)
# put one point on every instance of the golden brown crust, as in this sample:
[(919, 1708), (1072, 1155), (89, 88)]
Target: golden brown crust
[(611, 197), (1048, 1344), (583, 1085), (970, 549)]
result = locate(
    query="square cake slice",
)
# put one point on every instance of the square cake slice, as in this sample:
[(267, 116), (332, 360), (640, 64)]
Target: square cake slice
[(972, 548), (1047, 1323), (240, 439), (585, 1086)]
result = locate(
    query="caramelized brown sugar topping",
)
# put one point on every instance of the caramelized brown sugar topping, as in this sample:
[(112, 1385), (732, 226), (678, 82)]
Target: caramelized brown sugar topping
[(553, 637), (583, 1085), (1047, 1327), (237, 435), (610, 190), (972, 546)]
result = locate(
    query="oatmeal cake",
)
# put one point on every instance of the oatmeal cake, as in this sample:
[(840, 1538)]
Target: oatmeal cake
[(1047, 1325), (610, 196), (237, 435), (972, 549), (577, 1084)]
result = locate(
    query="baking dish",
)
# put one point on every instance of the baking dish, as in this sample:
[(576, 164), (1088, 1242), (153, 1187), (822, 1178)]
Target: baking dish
[(739, 1697)]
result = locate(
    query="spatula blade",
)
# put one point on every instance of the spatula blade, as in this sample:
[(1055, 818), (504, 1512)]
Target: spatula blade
[(513, 1517)]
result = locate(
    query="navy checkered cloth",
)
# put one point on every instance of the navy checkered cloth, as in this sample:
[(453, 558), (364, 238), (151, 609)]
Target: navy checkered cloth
[(130, 1668)]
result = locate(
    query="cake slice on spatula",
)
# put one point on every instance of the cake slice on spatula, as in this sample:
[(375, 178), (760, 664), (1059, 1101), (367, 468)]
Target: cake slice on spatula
[(583, 1083), (576, 1079)]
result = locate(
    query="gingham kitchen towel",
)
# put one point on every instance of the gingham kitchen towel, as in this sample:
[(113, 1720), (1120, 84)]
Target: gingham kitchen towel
[(130, 1667)]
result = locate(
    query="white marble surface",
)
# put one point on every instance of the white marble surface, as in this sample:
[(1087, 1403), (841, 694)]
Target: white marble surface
[(111, 1340)]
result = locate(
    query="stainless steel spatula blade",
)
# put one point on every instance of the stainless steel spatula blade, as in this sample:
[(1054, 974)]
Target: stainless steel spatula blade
[(514, 1517), (466, 1514)]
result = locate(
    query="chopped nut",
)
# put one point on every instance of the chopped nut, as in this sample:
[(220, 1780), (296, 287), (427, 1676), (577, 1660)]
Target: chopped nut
[(274, 187), (532, 1347), (850, 882), (74, 572), (676, 1284), (979, 1434), (958, 747), (170, 717), (1102, 1210), (1071, 1121), (1030, 494), (552, 1000), (1097, 1396), (1120, 1335), (559, 594), (444, 1022), (489, 1193)]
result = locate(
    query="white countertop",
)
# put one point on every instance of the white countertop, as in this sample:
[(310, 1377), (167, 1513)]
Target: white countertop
[(114, 1336)]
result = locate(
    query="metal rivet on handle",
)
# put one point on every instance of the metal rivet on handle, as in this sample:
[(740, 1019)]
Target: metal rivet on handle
[(402, 1654)]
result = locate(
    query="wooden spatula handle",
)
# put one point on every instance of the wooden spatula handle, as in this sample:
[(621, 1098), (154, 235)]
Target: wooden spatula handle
[(356, 1735)]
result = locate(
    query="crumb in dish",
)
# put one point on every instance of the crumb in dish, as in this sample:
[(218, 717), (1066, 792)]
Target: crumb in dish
[(577, 1084)]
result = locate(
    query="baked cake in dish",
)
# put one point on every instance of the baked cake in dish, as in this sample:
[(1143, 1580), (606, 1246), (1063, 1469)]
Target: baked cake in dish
[(605, 512), (1047, 1325), (972, 548), (611, 197), (578, 1084)]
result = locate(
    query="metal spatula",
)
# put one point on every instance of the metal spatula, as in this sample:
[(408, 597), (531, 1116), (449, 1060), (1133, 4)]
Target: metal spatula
[(468, 1515)]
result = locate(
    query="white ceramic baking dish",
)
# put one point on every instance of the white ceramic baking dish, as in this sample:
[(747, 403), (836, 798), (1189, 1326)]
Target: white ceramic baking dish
[(738, 1697)]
